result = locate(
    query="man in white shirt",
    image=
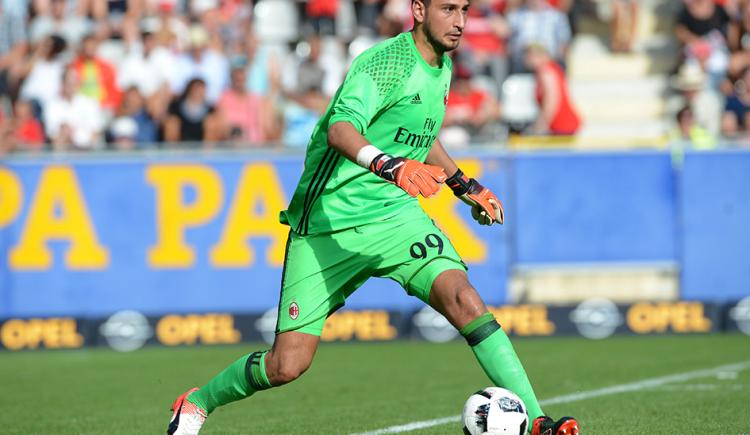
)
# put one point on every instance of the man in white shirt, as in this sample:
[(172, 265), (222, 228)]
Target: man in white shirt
[(73, 119), (148, 66)]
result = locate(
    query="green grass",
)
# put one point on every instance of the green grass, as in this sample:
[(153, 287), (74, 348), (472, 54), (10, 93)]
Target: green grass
[(358, 387)]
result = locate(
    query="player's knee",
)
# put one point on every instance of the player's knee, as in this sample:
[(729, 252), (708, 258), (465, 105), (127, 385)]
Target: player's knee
[(284, 367), (467, 304), (291, 370)]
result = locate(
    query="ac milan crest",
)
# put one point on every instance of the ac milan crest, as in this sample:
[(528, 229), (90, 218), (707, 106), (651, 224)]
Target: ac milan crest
[(293, 310)]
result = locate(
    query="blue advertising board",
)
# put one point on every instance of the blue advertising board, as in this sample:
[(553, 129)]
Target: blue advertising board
[(91, 235), (715, 223)]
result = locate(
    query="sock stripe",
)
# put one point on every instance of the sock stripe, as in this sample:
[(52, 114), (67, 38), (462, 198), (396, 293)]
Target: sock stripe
[(252, 371), (253, 360), (478, 335)]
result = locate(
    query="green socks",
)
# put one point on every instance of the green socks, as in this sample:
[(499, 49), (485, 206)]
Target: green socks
[(487, 340), (498, 359), (241, 379)]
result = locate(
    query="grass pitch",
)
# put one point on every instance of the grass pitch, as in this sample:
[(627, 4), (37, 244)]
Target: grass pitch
[(359, 387)]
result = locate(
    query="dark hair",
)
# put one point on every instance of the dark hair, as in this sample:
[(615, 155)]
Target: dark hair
[(190, 85), (682, 113), (58, 45)]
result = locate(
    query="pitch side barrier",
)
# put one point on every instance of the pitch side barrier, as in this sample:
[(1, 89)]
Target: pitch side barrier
[(86, 236), (594, 319)]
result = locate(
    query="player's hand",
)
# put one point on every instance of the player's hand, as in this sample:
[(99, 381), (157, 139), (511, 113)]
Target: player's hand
[(486, 208), (414, 177)]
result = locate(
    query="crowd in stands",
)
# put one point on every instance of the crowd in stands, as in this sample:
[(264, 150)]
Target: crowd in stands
[(140, 74), (713, 77)]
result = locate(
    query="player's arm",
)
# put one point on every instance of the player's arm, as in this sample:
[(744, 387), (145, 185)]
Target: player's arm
[(414, 177), (364, 94), (486, 208)]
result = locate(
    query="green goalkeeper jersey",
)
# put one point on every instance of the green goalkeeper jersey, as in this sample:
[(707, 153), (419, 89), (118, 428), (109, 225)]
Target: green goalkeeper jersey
[(396, 100)]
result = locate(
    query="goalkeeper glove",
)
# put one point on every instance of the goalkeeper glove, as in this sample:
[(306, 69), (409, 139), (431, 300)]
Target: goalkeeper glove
[(414, 177), (485, 207)]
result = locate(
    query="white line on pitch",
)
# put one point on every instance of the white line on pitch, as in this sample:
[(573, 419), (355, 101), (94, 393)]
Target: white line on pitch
[(568, 398)]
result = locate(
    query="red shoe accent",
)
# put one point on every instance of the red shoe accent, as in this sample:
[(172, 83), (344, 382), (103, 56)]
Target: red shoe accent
[(178, 401), (542, 426), (569, 427), (546, 426)]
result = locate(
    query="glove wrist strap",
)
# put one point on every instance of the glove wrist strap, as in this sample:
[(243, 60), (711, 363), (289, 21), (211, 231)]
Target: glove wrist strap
[(378, 162), (459, 183)]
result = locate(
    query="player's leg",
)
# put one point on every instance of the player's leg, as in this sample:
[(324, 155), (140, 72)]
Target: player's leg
[(317, 276), (429, 267), (454, 297), (291, 355)]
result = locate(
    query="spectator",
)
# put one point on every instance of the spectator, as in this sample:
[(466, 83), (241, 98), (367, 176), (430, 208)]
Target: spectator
[(18, 9), (61, 21), (114, 19), (7, 143), (702, 28), (123, 132), (146, 131), (305, 101), (739, 41), (191, 118), (471, 111), (322, 16), (624, 25), (483, 49), (204, 63), (262, 65), (557, 114), (73, 119), (234, 20), (689, 135), (247, 117), (98, 9), (386, 26), (368, 14), (27, 130), (311, 65), (161, 18), (539, 23), (704, 101), (736, 118), (148, 66), (98, 77), (43, 72), (13, 47)]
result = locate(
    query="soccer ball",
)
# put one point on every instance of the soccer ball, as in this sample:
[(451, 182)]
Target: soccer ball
[(494, 411)]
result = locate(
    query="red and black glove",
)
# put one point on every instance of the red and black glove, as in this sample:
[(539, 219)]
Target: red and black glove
[(486, 208), (414, 177)]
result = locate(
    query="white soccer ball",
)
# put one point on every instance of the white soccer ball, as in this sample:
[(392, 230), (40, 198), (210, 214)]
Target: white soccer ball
[(494, 411)]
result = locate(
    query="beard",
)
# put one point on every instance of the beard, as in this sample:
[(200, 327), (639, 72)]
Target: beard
[(436, 42)]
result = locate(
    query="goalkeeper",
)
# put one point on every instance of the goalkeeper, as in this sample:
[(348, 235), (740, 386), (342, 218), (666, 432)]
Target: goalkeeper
[(355, 215)]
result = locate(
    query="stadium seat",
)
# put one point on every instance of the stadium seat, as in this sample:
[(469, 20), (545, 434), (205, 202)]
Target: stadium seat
[(276, 20), (518, 99)]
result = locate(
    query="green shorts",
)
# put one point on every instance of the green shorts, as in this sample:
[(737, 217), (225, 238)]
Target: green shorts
[(322, 270)]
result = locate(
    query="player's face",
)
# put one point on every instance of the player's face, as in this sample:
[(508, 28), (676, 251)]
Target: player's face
[(444, 22)]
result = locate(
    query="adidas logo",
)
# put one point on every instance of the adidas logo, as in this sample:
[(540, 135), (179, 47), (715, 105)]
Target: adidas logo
[(416, 100)]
